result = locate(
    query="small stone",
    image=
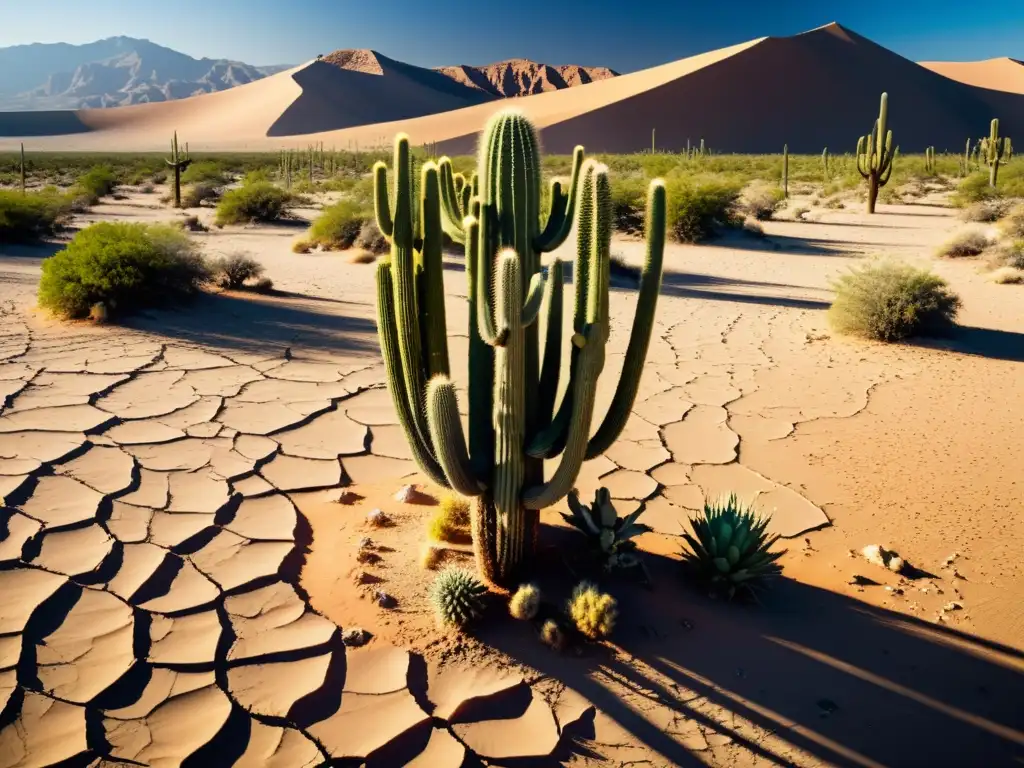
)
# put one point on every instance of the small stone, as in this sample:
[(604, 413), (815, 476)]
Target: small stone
[(408, 495), (366, 556), (958, 575), (364, 577), (366, 543), (384, 600), (355, 638), (894, 590), (862, 581), (347, 497), (950, 560), (377, 518), (896, 563), (952, 606)]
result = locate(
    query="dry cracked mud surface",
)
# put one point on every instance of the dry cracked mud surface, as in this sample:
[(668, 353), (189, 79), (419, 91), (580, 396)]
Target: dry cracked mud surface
[(151, 545)]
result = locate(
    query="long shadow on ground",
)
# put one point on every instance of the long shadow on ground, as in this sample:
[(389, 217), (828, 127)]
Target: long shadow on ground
[(846, 682), (983, 342)]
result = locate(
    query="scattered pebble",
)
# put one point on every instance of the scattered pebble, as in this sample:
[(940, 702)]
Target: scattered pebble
[(364, 577), (952, 606), (347, 497), (408, 495), (949, 560), (958, 575), (354, 638), (384, 600), (366, 543), (884, 558), (366, 556), (862, 581), (377, 518)]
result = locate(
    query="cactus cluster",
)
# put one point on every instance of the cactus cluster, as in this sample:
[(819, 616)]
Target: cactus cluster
[(594, 613), (515, 421), (875, 154), (992, 151), (611, 536), (458, 597), (729, 549), (179, 162), (525, 603)]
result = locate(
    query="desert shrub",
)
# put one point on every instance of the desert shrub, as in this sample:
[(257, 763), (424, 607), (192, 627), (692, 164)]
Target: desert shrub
[(234, 271), (761, 200), (593, 612), (1008, 275), (96, 183), (623, 269), (1012, 225), (889, 301), (339, 225), (969, 242), (263, 285), (1008, 254), (147, 189), (553, 635), (209, 172), (696, 208), (730, 549), (192, 224), (974, 188), (835, 203), (458, 597), (629, 198), (362, 257), (525, 603), (257, 176), (984, 211), (28, 217), (124, 266), (371, 239), (753, 227), (197, 194), (451, 520), (800, 212), (302, 246), (253, 202)]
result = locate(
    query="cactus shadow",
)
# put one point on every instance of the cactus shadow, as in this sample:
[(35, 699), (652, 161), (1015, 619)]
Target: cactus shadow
[(711, 287), (807, 670)]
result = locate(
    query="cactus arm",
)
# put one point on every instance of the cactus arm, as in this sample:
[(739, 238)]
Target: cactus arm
[(452, 212), (862, 168), (551, 364), (534, 298), (591, 361), (446, 434), (561, 215), (381, 203), (486, 327), (643, 323), (388, 334), (433, 313), (481, 362)]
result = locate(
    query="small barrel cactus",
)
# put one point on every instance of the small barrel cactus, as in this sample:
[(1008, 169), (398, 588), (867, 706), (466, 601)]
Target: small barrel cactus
[(593, 612), (552, 634), (525, 602), (458, 597), (729, 548)]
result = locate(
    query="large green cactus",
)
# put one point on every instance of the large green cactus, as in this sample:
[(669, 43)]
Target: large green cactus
[(994, 152), (514, 423), (179, 162), (875, 154)]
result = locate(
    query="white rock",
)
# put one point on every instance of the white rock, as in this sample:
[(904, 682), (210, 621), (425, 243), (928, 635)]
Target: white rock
[(408, 495)]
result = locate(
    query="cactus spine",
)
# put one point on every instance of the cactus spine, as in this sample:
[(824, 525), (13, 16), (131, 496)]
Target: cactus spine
[(875, 153), (22, 167), (513, 420), (179, 162), (785, 171), (994, 152)]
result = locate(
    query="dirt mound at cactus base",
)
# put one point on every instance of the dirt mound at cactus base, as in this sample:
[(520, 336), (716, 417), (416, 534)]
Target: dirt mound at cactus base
[(1003, 74)]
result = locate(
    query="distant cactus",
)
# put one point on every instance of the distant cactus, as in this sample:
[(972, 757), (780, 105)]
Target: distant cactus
[(824, 165), (929, 161), (525, 602), (967, 158), (785, 171), (22, 169), (593, 612), (458, 597), (875, 154), (652, 140), (179, 163), (994, 152)]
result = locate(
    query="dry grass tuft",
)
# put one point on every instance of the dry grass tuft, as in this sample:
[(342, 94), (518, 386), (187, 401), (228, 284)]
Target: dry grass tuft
[(969, 242), (1007, 276), (362, 257)]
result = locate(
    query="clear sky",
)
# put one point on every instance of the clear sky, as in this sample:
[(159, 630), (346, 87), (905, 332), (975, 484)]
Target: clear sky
[(623, 34)]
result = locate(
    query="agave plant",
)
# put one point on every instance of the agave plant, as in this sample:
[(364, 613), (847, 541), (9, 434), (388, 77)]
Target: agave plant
[(610, 535), (729, 548)]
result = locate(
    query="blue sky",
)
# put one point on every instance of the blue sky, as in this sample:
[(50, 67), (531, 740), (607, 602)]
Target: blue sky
[(623, 35)]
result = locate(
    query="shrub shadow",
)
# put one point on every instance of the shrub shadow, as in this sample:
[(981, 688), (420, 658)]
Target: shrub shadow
[(697, 286), (981, 342), (827, 675)]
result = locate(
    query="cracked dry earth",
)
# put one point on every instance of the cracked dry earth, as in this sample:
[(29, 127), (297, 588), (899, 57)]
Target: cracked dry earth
[(151, 542)]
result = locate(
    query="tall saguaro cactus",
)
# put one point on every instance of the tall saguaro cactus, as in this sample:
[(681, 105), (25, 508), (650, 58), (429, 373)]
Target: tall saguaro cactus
[(929, 160), (993, 152), (515, 421), (875, 154), (179, 162), (785, 171), (22, 168)]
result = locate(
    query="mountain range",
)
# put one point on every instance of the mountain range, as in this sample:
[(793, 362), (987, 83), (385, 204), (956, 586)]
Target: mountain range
[(119, 71)]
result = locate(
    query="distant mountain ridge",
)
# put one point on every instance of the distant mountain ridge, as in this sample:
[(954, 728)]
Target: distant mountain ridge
[(116, 71), (522, 77)]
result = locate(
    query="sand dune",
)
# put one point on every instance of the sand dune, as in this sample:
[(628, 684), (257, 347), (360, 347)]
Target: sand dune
[(1002, 74), (811, 90)]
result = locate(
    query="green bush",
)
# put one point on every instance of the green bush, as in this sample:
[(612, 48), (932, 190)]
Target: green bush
[(1012, 225), (123, 266), (96, 183), (629, 197), (969, 242), (889, 301), (261, 201), (338, 227), (28, 217), (197, 194), (761, 199), (371, 238), (695, 208), (234, 271), (205, 172)]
